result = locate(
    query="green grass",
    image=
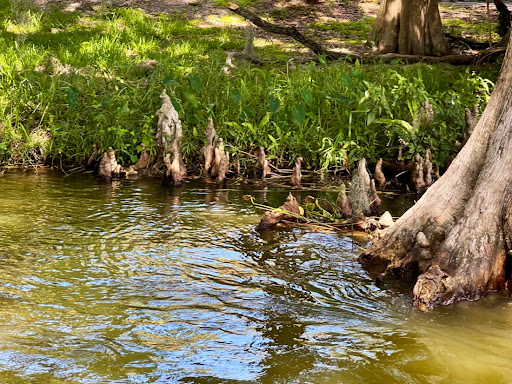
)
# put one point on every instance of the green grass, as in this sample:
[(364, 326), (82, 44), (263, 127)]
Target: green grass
[(97, 91), (351, 32)]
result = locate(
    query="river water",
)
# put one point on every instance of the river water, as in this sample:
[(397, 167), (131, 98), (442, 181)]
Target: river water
[(139, 283)]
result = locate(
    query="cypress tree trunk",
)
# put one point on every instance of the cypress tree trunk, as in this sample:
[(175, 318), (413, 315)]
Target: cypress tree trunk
[(409, 27), (456, 241)]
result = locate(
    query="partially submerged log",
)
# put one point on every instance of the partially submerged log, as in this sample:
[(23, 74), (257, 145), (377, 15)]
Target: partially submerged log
[(284, 212)]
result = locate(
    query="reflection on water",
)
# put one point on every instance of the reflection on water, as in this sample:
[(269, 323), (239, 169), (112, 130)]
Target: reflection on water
[(138, 283)]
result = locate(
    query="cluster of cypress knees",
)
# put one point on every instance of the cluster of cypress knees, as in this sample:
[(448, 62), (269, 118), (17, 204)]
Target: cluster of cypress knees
[(362, 200)]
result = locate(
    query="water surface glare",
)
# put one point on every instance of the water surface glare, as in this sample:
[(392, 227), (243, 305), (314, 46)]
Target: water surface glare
[(138, 283)]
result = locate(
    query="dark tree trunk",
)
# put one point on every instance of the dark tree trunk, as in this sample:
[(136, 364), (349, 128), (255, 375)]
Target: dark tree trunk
[(409, 27), (457, 239), (503, 18)]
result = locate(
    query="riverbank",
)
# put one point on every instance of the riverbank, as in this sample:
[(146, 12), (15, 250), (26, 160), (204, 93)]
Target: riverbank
[(71, 80)]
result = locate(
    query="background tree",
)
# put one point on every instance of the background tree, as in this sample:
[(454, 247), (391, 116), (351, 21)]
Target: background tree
[(457, 239), (410, 27)]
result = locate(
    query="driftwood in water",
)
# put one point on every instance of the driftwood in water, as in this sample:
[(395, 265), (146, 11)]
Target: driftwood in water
[(169, 134), (379, 177), (284, 212), (263, 163), (296, 174), (471, 120), (343, 203)]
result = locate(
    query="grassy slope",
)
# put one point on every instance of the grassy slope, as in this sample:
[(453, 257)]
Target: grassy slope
[(99, 91)]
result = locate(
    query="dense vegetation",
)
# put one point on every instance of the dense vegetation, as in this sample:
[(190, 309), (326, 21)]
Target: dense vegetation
[(70, 80)]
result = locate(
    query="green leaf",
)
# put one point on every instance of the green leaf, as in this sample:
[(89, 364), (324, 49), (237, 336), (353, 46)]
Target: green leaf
[(274, 104), (106, 102), (322, 59), (191, 98), (72, 96), (347, 80), (299, 114), (307, 96), (344, 100), (369, 118), (134, 158), (236, 96), (195, 82), (265, 120), (168, 80)]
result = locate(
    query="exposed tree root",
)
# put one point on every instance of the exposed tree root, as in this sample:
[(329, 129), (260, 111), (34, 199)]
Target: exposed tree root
[(454, 240)]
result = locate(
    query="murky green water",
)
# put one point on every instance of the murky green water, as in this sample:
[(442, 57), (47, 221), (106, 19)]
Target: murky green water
[(137, 283)]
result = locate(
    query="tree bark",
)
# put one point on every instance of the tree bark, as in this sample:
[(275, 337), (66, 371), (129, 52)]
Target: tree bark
[(409, 27), (456, 239), (503, 18)]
